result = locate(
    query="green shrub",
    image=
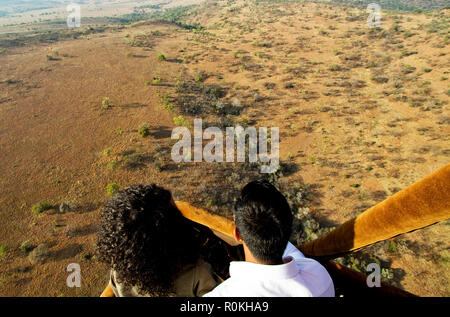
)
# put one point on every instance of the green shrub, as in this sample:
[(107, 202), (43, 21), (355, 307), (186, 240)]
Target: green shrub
[(335, 68), (147, 82), (200, 77), (26, 247), (113, 165), (170, 107), (181, 121), (392, 247), (424, 91), (112, 188), (107, 150), (3, 249), (144, 130), (106, 103), (128, 54), (258, 44), (379, 79), (405, 53), (156, 81), (408, 33), (427, 70), (407, 69), (161, 57), (40, 208)]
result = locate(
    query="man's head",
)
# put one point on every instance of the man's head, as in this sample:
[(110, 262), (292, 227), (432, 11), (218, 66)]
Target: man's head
[(144, 238), (263, 220)]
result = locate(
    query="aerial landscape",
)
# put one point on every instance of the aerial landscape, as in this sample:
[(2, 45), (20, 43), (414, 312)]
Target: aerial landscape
[(361, 104)]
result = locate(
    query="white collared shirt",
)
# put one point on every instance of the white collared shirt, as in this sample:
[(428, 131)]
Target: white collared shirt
[(298, 276)]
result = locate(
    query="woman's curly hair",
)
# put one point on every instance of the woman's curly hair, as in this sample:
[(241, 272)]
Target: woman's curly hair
[(145, 239)]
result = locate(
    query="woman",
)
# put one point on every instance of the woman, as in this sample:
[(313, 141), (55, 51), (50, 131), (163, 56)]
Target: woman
[(151, 248)]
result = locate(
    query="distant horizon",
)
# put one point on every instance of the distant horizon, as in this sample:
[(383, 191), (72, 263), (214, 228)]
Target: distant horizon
[(11, 7), (34, 11)]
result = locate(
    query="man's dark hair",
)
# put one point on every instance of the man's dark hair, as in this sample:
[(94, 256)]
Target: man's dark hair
[(145, 239), (264, 220)]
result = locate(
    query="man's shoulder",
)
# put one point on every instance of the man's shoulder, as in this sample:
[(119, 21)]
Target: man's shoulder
[(311, 279), (313, 274)]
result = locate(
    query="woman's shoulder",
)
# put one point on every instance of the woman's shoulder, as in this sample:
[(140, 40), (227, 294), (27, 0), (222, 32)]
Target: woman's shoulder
[(195, 279)]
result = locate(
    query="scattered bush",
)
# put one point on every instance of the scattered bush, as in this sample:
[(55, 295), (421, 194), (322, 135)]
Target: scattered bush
[(51, 58), (107, 151), (113, 165), (408, 33), (200, 77), (269, 85), (165, 101), (170, 107), (106, 103), (408, 69), (405, 53), (156, 80), (371, 64), (112, 188), (144, 130), (258, 44), (26, 247), (161, 57), (40, 208), (380, 79), (392, 248), (424, 91), (181, 121), (3, 249), (335, 68)]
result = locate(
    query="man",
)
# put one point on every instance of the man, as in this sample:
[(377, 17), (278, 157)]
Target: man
[(272, 266)]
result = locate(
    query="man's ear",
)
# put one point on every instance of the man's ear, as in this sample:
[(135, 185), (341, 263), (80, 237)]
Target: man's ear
[(237, 234)]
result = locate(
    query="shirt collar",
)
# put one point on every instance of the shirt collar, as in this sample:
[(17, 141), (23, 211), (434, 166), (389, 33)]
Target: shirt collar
[(248, 270)]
